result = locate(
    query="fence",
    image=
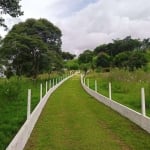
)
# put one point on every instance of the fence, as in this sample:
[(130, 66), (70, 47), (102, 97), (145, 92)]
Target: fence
[(140, 119), (23, 134)]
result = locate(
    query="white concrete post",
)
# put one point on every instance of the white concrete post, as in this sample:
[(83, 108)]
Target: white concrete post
[(41, 91), (95, 86), (143, 101), (109, 90), (46, 87), (29, 104)]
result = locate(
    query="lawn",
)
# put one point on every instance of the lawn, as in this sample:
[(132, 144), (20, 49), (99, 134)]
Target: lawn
[(73, 120)]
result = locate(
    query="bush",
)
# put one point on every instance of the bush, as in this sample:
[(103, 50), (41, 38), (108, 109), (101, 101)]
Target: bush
[(10, 90)]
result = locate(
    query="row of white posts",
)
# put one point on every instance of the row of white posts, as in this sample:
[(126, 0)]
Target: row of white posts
[(110, 94), (52, 83)]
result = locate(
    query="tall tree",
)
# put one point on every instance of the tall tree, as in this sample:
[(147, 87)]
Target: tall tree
[(32, 46), (103, 60), (118, 46), (68, 56), (137, 60), (86, 57), (48, 32), (10, 7)]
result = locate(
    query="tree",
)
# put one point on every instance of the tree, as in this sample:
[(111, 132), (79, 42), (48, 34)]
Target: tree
[(32, 47), (103, 60), (86, 57), (85, 67), (25, 54), (42, 28), (119, 46), (68, 56), (72, 64), (10, 7), (137, 60), (130, 60), (121, 60), (145, 44)]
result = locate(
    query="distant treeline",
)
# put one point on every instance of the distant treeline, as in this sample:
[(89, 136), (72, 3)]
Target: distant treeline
[(124, 53)]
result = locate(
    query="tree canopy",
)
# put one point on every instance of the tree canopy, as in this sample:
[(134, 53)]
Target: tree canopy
[(32, 47), (118, 46), (10, 7), (124, 53), (68, 56), (85, 57)]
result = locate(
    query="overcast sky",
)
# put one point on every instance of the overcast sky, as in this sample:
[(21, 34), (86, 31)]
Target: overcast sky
[(86, 24)]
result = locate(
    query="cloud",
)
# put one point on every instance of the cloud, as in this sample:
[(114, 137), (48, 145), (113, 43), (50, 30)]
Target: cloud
[(86, 24), (104, 20)]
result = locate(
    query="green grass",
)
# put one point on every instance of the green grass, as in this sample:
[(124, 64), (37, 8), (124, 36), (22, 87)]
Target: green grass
[(73, 120), (126, 87), (13, 105)]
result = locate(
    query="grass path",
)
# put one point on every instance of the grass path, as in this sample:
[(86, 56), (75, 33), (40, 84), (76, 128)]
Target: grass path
[(73, 120)]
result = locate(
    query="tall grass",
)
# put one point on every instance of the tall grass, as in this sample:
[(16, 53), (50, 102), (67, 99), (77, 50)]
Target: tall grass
[(126, 86), (13, 104)]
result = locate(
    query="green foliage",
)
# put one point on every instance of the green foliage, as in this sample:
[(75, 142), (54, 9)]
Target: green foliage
[(118, 46), (86, 57), (126, 86), (103, 60), (121, 60), (68, 56), (9, 73), (13, 102), (32, 46), (72, 64), (85, 67), (10, 7), (137, 60), (73, 120), (128, 54), (10, 90), (131, 60)]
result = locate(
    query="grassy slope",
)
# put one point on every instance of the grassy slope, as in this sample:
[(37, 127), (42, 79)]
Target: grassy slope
[(126, 87), (72, 120), (13, 107)]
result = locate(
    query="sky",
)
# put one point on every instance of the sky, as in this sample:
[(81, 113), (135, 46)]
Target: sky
[(86, 24)]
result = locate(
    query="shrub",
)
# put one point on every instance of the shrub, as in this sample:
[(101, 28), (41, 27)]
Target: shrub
[(10, 90)]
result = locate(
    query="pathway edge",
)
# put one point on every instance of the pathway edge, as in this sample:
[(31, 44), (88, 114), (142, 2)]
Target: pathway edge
[(132, 115), (22, 136)]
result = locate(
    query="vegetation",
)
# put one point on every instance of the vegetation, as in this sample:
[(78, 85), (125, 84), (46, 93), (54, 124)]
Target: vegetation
[(129, 54), (10, 7), (72, 64), (126, 86), (73, 120), (13, 102), (32, 47), (29, 50), (67, 56)]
